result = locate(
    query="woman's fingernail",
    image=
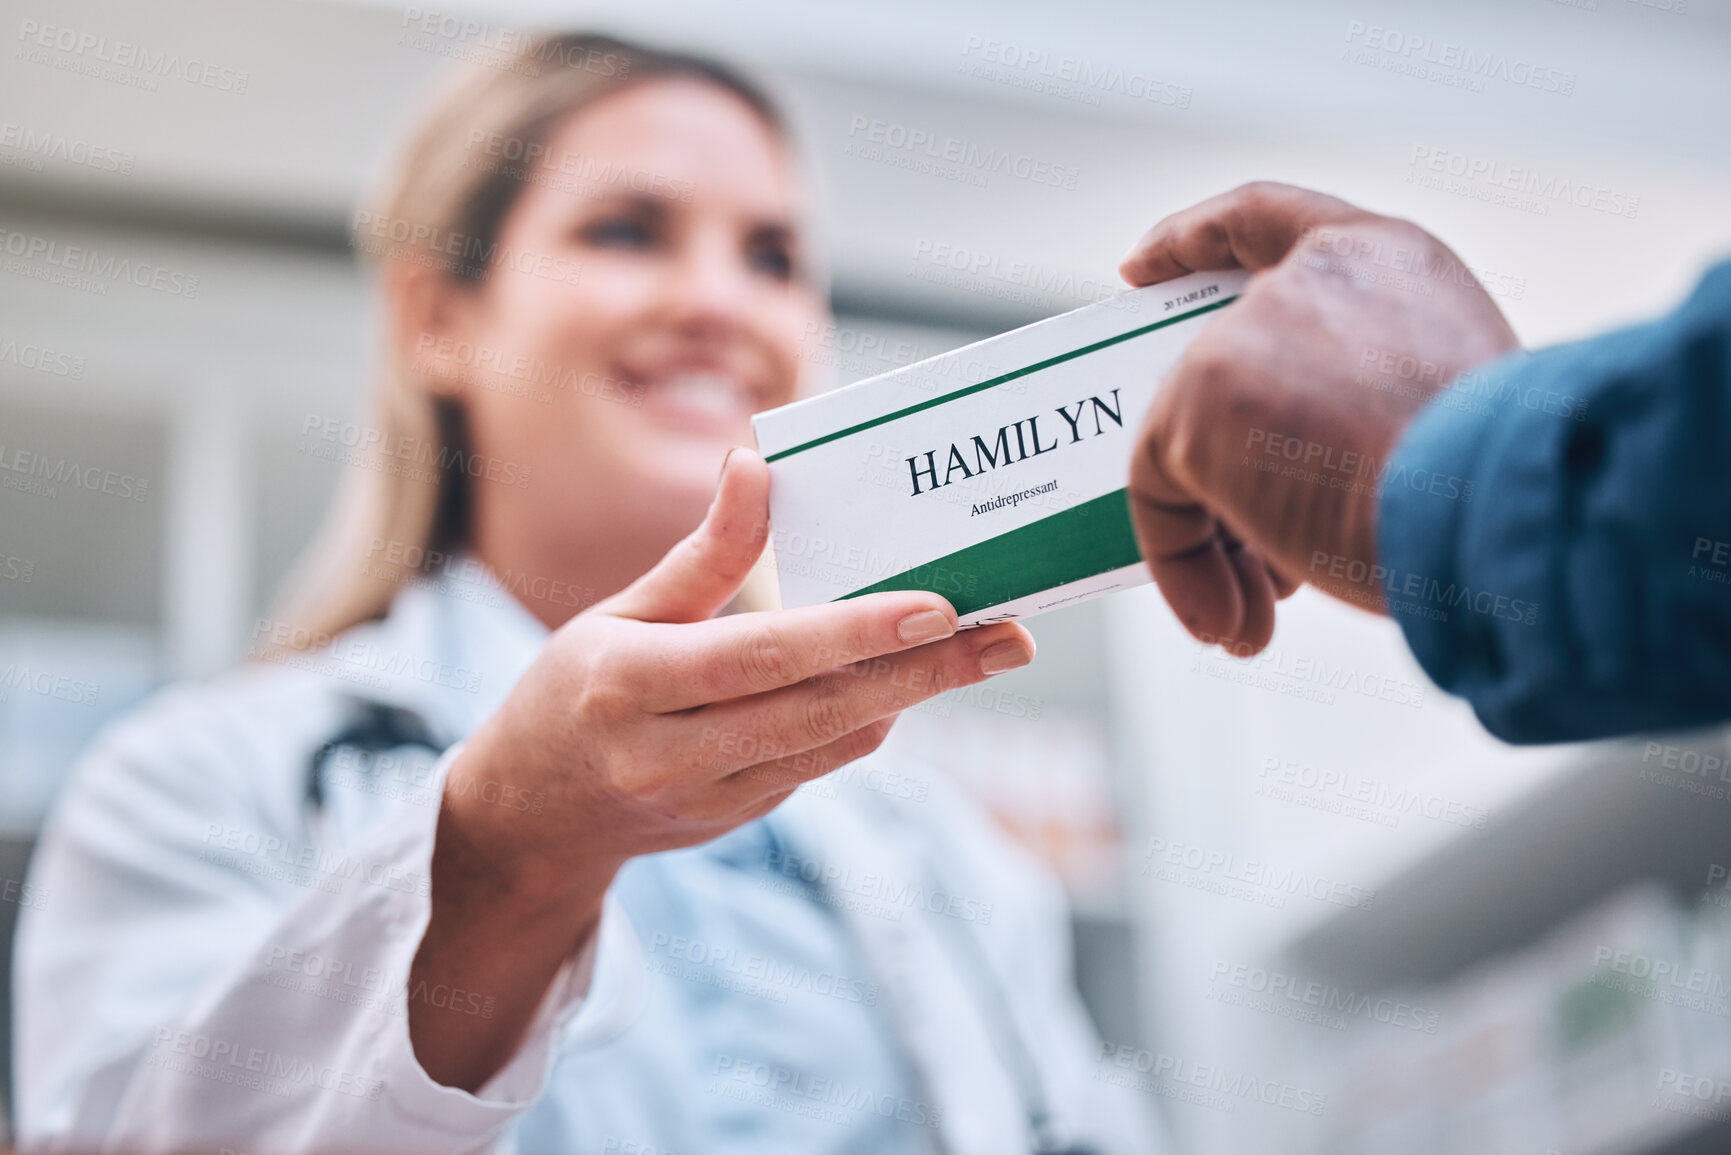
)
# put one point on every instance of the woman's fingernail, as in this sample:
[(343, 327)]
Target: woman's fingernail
[(925, 626), (723, 472), (1001, 656)]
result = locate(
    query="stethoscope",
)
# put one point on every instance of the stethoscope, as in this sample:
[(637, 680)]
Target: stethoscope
[(377, 727)]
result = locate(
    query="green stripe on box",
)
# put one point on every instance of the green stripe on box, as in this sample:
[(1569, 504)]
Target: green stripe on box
[(968, 390), (1082, 541)]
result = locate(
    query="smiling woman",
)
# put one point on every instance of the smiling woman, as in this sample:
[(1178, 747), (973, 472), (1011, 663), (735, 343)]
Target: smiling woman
[(660, 292), (501, 847)]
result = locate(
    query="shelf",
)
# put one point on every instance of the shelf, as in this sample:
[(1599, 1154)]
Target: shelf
[(1706, 1139), (1543, 857), (1677, 1135)]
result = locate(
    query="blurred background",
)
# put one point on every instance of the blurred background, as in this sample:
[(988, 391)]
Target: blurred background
[(1312, 875)]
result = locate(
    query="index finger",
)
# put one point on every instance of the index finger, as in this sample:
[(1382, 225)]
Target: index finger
[(1219, 588), (1189, 556), (744, 654), (1252, 227)]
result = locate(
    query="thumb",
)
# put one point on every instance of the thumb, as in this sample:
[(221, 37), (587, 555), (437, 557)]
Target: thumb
[(702, 573), (1251, 227)]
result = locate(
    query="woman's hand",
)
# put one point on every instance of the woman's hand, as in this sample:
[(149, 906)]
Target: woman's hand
[(647, 724)]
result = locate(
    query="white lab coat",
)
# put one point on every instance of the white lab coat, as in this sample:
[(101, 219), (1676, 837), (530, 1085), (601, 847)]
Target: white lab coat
[(219, 963)]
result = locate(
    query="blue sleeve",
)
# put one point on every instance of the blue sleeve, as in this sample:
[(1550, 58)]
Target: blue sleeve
[(1555, 531)]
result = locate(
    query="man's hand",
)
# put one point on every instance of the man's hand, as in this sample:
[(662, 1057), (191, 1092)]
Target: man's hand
[(1263, 452)]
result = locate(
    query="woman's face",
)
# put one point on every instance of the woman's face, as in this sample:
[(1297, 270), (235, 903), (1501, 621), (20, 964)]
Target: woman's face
[(649, 294)]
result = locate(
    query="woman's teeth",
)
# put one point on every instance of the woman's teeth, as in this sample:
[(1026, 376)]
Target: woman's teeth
[(707, 393)]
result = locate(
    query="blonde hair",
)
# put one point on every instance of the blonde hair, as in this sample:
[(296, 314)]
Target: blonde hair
[(443, 207)]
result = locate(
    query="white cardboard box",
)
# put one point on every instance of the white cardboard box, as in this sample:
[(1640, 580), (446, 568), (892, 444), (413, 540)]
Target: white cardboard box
[(993, 474)]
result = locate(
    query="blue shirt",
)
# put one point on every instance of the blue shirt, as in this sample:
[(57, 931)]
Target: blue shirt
[(761, 1026), (1571, 574)]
